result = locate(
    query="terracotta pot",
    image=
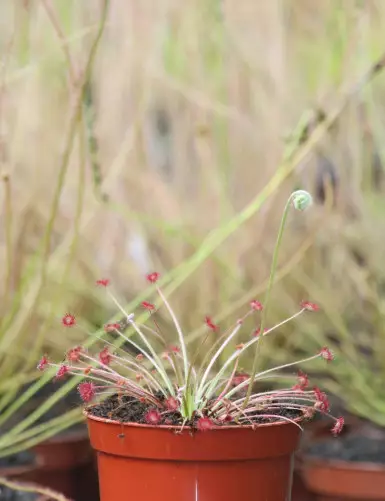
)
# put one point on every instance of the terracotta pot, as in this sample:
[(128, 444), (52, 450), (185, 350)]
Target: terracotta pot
[(66, 464), (79, 483), (340, 480), (223, 464), (67, 451), (315, 431)]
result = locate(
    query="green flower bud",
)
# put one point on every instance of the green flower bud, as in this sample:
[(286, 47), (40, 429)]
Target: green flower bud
[(301, 199)]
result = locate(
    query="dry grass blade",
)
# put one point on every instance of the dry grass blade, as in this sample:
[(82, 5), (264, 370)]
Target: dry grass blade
[(20, 486)]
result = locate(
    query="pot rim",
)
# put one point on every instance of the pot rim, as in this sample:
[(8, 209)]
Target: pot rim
[(313, 461), (179, 427)]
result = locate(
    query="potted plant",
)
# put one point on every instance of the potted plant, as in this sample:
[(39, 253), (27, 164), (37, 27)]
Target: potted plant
[(354, 466), (167, 428), (315, 432)]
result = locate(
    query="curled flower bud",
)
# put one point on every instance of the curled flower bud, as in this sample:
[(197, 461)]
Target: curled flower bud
[(307, 305), (139, 376), (42, 363), (105, 356), (148, 306), (239, 346), (172, 404), (153, 416), (68, 320), (63, 369), (139, 357), (326, 354), (103, 282), (210, 324), (204, 424), (86, 391), (175, 349), (301, 200), (256, 305), (153, 277), (338, 427)]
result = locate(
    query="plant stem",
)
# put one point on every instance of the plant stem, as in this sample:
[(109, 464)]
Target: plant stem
[(267, 296)]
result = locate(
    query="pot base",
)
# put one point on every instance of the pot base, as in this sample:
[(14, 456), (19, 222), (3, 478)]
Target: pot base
[(192, 481), (344, 481)]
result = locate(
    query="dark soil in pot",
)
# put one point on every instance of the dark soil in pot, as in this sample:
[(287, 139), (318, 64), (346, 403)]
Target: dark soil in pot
[(127, 409), (319, 429), (356, 447)]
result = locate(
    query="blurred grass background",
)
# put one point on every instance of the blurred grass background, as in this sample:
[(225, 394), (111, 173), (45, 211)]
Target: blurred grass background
[(139, 151)]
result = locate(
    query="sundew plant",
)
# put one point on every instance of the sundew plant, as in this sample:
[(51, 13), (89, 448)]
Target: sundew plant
[(174, 389)]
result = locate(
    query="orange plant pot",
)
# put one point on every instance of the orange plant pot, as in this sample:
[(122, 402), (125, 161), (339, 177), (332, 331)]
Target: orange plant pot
[(332, 480), (315, 431), (66, 464), (147, 463)]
